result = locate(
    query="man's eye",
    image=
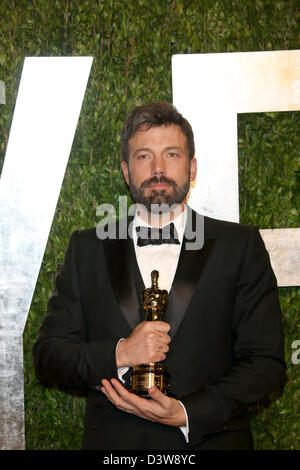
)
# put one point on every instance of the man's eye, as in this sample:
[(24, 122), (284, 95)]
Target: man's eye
[(173, 154), (143, 155)]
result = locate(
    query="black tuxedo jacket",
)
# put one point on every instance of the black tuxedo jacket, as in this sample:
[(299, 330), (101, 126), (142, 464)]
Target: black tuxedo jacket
[(226, 351)]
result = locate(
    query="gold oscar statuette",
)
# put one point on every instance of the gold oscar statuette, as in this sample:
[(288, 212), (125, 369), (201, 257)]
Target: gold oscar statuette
[(144, 376)]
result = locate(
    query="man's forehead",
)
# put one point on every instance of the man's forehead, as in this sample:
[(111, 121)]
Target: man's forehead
[(159, 134), (148, 127)]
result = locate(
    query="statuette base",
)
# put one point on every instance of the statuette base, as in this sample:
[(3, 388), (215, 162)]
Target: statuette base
[(145, 376)]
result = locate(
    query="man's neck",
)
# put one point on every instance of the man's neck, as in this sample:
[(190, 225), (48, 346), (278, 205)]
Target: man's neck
[(159, 219)]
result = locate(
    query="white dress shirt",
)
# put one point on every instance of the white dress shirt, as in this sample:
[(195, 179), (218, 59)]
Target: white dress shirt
[(163, 258)]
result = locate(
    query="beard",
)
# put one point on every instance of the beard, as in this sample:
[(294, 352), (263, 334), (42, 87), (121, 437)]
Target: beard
[(159, 201)]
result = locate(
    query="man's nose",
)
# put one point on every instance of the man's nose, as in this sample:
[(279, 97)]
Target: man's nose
[(158, 166)]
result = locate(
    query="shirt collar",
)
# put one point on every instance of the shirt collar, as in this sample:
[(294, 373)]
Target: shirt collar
[(179, 222)]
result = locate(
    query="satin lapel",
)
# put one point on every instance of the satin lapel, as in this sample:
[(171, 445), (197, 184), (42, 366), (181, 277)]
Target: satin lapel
[(189, 269), (118, 255)]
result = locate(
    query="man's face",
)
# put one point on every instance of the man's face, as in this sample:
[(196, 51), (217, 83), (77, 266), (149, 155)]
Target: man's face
[(159, 170)]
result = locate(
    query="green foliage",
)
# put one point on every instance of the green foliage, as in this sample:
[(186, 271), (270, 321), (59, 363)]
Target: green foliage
[(132, 43), (269, 166)]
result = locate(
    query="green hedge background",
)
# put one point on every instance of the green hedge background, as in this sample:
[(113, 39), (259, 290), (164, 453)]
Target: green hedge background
[(132, 43)]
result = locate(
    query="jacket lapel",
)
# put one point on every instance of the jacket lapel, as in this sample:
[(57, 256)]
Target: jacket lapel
[(119, 261), (190, 266)]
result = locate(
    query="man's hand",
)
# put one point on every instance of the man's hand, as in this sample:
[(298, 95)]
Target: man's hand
[(147, 343), (159, 408)]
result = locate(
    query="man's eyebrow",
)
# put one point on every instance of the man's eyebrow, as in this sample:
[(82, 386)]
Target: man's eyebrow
[(144, 149), (173, 147), (148, 149)]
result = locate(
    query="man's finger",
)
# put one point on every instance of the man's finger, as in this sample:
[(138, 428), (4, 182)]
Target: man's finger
[(115, 398), (134, 400), (129, 402), (161, 326), (138, 402), (158, 396), (142, 406)]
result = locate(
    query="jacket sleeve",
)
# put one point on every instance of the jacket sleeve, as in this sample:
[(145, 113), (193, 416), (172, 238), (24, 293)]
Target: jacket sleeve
[(258, 352), (62, 354)]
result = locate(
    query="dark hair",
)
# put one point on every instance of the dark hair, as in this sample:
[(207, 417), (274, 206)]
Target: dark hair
[(155, 114)]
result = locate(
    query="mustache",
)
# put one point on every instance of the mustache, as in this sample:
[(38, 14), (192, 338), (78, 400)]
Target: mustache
[(158, 180)]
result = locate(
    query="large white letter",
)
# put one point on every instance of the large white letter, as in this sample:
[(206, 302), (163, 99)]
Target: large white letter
[(45, 118), (210, 90)]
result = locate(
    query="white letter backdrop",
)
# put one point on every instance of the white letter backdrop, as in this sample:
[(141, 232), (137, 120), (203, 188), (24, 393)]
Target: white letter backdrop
[(210, 90), (44, 122)]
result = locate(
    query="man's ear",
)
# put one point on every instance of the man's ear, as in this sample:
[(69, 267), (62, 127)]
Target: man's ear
[(124, 167), (193, 169)]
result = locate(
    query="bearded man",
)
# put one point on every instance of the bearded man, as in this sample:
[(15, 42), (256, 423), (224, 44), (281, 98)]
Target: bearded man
[(221, 338)]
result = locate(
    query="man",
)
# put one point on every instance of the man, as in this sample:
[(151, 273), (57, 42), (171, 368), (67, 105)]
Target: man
[(221, 340)]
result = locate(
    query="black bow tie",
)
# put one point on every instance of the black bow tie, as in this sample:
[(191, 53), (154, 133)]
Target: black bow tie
[(157, 236)]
